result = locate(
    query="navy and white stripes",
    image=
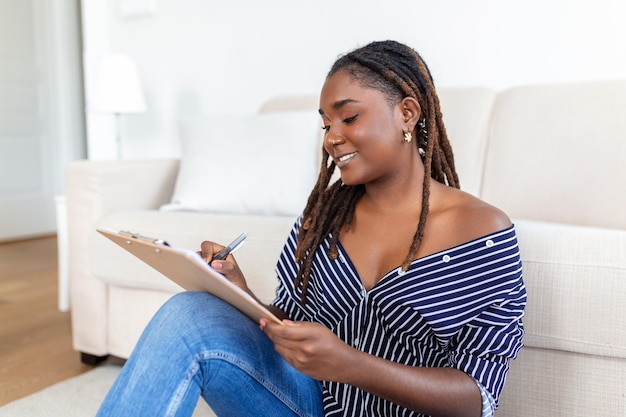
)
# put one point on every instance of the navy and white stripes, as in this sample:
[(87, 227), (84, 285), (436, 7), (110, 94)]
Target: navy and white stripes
[(459, 308)]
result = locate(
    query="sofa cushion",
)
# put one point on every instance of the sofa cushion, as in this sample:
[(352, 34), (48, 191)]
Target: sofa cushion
[(556, 153), (257, 257), (251, 163)]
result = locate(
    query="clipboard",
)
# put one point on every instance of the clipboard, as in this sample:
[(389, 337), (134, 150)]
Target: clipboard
[(187, 269)]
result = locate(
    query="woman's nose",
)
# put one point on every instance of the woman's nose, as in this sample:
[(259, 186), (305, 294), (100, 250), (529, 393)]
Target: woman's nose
[(333, 139)]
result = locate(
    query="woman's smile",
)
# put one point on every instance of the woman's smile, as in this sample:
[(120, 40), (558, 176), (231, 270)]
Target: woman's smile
[(343, 160)]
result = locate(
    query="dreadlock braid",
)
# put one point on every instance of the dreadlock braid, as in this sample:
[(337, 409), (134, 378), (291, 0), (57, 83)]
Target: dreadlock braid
[(398, 72)]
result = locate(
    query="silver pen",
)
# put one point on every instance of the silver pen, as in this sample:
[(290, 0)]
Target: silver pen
[(230, 248)]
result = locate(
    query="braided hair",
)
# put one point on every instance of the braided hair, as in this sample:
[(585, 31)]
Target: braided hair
[(397, 71)]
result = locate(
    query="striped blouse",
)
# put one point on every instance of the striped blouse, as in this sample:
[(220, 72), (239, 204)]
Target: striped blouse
[(460, 308)]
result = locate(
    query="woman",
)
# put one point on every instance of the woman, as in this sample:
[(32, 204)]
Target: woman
[(401, 294)]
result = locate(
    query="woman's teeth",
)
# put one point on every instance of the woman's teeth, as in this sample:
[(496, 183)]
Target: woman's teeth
[(346, 157)]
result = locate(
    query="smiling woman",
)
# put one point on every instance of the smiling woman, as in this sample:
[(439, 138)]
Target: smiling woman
[(400, 294), (371, 103)]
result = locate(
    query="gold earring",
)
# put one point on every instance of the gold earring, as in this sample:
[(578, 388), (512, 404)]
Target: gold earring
[(408, 137)]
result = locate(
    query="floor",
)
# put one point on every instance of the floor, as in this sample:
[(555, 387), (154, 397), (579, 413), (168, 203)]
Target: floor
[(35, 337)]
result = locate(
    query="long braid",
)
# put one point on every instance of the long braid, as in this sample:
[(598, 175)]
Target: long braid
[(397, 71)]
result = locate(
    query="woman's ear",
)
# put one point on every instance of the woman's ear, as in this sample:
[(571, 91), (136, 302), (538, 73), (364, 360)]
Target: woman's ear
[(411, 112)]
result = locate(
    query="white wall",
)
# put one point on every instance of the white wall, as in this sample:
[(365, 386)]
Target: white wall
[(41, 111), (199, 56)]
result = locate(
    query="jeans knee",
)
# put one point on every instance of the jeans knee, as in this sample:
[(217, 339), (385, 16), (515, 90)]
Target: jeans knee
[(185, 300), (182, 308), (190, 309), (202, 320)]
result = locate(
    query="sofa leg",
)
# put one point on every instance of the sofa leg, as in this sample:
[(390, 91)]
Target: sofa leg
[(93, 360)]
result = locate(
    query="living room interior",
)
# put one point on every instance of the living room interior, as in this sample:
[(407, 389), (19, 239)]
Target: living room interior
[(201, 62)]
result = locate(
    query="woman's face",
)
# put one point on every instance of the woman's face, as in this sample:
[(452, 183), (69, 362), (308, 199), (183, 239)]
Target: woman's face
[(363, 131)]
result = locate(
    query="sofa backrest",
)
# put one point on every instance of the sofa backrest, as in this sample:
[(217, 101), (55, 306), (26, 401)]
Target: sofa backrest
[(558, 153), (290, 103), (466, 114), (546, 152)]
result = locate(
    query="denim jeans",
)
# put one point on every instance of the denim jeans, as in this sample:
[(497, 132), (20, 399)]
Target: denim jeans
[(196, 345)]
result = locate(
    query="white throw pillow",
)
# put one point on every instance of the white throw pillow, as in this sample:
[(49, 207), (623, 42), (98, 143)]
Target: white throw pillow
[(248, 164)]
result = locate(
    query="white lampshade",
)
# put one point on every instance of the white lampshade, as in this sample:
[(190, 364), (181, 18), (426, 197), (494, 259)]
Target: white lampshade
[(117, 88)]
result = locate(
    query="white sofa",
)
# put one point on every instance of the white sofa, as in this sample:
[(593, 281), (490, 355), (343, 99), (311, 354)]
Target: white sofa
[(552, 156)]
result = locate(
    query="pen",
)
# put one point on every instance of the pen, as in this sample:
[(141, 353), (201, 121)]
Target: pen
[(230, 248)]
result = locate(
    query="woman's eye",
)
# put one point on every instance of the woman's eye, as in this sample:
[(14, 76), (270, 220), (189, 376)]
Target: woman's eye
[(349, 120), (326, 128)]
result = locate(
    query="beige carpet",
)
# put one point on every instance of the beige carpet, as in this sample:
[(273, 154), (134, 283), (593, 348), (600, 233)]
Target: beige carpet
[(76, 397)]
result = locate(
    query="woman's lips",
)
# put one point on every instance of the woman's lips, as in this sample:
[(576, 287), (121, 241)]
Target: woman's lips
[(343, 160)]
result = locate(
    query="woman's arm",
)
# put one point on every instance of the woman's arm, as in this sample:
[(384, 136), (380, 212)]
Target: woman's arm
[(432, 391), (316, 351)]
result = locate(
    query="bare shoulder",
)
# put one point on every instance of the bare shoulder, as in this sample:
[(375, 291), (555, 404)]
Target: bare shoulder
[(480, 218), (464, 217)]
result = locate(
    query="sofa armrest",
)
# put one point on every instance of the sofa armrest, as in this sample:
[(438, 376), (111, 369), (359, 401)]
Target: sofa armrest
[(94, 189), (116, 185)]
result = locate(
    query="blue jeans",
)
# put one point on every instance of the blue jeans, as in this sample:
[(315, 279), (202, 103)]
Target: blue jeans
[(196, 345)]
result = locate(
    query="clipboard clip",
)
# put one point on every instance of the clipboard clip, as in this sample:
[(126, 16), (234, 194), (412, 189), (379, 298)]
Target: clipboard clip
[(133, 235)]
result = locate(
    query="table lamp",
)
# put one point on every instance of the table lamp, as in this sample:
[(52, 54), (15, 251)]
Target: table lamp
[(117, 90)]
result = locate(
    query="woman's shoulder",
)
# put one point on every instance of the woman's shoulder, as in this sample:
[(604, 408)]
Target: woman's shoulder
[(464, 217), (471, 210)]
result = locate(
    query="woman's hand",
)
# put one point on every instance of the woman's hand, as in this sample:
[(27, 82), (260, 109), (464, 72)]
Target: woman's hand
[(312, 349), (227, 267)]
